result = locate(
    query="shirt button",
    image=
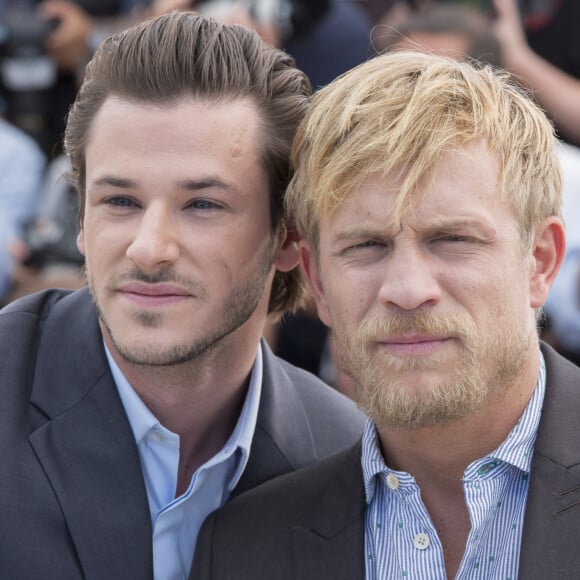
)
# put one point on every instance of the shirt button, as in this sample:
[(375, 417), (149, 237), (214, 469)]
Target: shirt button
[(158, 436), (392, 482), (421, 541)]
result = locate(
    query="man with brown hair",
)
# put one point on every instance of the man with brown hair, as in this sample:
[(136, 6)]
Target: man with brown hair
[(133, 409), (428, 195)]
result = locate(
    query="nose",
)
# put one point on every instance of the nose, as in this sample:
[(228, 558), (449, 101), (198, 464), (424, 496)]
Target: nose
[(155, 242), (410, 279)]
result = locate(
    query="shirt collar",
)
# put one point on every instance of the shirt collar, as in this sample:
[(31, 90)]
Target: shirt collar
[(142, 419), (516, 449), (373, 462)]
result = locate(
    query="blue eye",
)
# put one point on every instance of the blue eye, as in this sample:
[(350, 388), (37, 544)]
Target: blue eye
[(203, 204), (121, 201)]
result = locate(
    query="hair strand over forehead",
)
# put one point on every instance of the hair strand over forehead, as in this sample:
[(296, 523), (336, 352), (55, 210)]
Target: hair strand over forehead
[(406, 110)]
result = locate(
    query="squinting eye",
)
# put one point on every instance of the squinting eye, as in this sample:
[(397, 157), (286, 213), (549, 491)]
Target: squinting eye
[(365, 247), (368, 244)]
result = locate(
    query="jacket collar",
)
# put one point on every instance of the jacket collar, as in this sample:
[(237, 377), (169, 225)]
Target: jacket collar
[(85, 445), (333, 546), (552, 520), (282, 441)]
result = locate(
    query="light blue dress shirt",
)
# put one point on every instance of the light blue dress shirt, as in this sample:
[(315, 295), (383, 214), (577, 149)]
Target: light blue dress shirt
[(400, 538), (21, 170), (176, 521)]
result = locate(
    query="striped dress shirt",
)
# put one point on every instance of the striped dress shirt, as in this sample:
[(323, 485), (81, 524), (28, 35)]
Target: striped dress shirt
[(400, 539)]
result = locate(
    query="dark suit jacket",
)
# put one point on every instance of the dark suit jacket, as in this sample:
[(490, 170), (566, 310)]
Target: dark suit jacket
[(73, 502), (309, 525)]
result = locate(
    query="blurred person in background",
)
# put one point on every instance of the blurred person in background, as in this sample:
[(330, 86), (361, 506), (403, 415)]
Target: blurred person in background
[(540, 44), (325, 37), (44, 46), (390, 12), (545, 55), (46, 255), (455, 30), (21, 171), (562, 307)]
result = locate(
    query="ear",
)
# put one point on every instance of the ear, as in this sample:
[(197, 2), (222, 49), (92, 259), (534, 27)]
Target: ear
[(548, 255), (309, 265), (286, 257), (81, 242)]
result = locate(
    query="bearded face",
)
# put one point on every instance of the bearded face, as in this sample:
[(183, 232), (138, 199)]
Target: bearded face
[(433, 388)]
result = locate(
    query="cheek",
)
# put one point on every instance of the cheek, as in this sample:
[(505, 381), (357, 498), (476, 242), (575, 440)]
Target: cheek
[(498, 299), (104, 246), (243, 240), (349, 301)]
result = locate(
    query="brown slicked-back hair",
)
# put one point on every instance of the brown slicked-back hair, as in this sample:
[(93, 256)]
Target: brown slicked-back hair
[(183, 55)]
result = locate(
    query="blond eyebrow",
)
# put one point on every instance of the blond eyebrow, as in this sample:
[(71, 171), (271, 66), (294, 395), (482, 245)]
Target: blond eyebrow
[(385, 231), (356, 233), (454, 224)]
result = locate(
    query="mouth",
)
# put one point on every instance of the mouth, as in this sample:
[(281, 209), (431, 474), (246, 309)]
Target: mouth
[(413, 344), (154, 295)]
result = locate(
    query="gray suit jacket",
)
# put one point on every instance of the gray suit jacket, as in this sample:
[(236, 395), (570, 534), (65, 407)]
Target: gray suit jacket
[(309, 525), (73, 502)]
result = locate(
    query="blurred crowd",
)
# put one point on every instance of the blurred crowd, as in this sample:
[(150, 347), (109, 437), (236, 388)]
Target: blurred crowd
[(44, 48)]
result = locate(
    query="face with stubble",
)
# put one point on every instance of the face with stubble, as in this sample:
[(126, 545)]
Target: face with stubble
[(179, 245)]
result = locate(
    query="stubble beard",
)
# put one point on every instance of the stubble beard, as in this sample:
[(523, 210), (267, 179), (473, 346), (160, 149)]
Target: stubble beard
[(238, 307), (383, 392)]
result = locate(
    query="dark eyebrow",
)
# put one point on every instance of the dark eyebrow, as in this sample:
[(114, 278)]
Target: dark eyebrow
[(207, 183), (186, 184), (111, 180)]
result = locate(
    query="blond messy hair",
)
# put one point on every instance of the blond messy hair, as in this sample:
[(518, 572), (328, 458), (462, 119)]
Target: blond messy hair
[(406, 110)]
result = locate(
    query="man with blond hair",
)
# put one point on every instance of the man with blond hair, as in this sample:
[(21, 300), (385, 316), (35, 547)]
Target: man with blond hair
[(134, 408), (427, 192)]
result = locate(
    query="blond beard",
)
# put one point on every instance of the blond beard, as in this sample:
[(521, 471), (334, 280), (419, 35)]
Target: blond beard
[(378, 377)]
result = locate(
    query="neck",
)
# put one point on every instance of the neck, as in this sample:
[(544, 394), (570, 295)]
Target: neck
[(199, 400), (438, 456)]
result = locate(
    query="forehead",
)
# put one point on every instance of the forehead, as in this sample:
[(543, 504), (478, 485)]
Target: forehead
[(463, 184), (195, 123), (157, 149)]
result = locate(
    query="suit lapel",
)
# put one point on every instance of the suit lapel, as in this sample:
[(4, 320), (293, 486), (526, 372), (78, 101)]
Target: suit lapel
[(283, 441), (333, 545), (337, 557), (552, 521), (86, 447)]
